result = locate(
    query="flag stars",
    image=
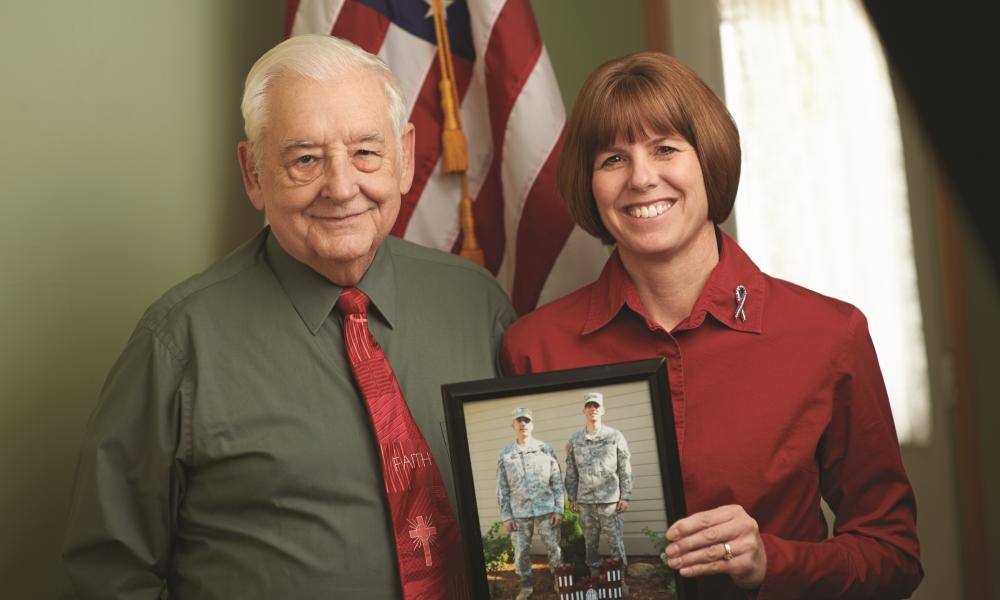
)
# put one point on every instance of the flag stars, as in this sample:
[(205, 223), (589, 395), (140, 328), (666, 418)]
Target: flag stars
[(430, 7)]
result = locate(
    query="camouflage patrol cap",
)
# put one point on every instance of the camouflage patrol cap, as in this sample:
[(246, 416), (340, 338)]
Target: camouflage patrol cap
[(522, 412), (595, 397)]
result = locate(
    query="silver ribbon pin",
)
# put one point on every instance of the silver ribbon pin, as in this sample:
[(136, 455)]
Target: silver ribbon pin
[(741, 299)]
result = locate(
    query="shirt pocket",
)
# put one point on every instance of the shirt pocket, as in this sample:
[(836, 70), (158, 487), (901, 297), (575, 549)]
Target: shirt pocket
[(606, 457), (514, 469)]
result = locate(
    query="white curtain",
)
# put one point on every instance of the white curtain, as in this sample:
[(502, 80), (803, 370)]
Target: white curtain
[(822, 199)]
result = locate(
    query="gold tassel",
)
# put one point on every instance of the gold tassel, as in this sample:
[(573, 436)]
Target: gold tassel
[(454, 151), (470, 246), (454, 148)]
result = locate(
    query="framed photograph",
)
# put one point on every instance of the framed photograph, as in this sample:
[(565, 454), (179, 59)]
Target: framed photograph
[(594, 434)]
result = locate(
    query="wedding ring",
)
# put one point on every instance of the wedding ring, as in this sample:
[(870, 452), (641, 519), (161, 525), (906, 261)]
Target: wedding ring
[(729, 551)]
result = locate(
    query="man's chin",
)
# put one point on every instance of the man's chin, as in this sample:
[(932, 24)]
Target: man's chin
[(346, 246)]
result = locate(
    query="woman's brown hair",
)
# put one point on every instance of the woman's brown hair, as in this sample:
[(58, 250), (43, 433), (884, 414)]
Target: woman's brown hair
[(644, 94)]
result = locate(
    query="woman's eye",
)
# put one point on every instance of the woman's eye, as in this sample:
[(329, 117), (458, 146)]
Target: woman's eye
[(611, 161), (665, 149)]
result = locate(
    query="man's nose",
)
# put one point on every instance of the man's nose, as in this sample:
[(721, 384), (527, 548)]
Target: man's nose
[(339, 178)]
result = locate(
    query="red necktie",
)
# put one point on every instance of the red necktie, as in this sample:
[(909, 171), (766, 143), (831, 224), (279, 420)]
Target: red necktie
[(428, 542)]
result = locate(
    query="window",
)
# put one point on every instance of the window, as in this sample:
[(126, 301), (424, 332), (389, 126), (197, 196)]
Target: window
[(823, 199)]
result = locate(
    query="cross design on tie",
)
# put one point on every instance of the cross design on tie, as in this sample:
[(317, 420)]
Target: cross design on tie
[(422, 533)]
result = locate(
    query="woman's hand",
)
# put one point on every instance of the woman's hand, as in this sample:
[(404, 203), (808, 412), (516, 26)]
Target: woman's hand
[(509, 526), (721, 540)]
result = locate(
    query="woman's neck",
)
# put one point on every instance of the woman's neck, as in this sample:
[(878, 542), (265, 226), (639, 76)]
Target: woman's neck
[(670, 286)]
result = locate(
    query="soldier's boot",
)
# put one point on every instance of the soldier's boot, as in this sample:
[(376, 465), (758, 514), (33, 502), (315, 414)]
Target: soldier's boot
[(526, 589)]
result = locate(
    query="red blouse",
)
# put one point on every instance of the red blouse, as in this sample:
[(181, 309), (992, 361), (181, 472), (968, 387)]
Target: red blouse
[(772, 413)]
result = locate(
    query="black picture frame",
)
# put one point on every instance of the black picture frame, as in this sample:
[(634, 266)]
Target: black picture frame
[(506, 391)]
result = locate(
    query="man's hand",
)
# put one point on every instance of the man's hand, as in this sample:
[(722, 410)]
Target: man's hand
[(556, 519), (509, 525), (698, 546), (622, 506), (573, 507)]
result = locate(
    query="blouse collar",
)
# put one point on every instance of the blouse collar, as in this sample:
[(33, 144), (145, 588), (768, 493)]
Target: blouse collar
[(614, 290)]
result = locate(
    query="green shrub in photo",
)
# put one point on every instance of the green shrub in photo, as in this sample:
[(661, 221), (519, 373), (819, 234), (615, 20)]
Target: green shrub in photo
[(574, 549), (660, 543), (498, 550)]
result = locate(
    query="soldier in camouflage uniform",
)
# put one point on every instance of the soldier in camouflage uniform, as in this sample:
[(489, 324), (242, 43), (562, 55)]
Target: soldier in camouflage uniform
[(599, 481), (530, 493)]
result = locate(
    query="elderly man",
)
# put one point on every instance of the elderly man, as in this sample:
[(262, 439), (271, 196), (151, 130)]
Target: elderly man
[(599, 481), (274, 429), (530, 493)]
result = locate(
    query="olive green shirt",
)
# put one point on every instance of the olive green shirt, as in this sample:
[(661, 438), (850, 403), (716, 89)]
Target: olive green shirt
[(231, 456)]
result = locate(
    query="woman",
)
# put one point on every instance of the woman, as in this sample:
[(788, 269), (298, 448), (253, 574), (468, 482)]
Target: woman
[(777, 395)]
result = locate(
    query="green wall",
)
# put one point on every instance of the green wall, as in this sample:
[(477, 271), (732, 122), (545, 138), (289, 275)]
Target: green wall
[(118, 178), (579, 35)]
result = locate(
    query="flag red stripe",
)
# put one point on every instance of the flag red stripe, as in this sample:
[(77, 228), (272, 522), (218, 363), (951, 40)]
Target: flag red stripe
[(427, 118), (364, 26), (291, 7), (511, 54), (545, 227)]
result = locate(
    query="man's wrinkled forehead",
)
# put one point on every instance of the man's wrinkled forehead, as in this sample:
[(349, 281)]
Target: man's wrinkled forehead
[(306, 114), (293, 144)]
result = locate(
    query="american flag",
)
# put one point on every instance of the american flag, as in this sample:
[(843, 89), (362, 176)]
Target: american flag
[(513, 117)]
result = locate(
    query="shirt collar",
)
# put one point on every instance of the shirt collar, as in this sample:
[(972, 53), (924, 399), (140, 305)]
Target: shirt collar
[(314, 296), (529, 446), (614, 290)]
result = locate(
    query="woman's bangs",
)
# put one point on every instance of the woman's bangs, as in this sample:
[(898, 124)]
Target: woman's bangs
[(634, 110)]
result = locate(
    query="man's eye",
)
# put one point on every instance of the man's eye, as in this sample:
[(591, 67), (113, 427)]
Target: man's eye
[(306, 160), (367, 160)]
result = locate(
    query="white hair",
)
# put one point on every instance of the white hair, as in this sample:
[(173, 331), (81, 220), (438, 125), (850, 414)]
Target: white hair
[(319, 58)]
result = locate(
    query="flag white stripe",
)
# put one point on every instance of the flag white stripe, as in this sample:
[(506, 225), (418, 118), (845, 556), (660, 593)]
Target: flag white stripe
[(435, 220), (410, 58), (316, 16), (535, 124), (482, 17), (476, 123)]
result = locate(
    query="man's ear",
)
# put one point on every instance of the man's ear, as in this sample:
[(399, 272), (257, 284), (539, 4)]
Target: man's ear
[(406, 160), (251, 179)]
